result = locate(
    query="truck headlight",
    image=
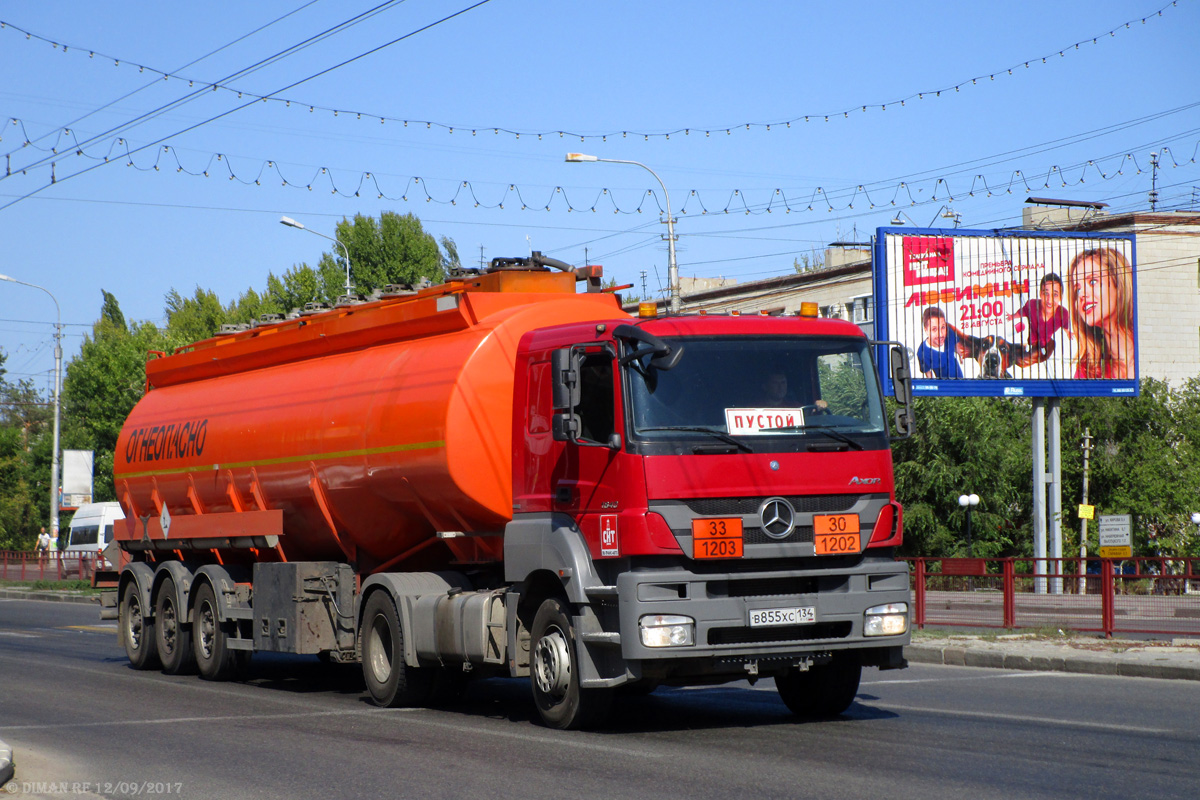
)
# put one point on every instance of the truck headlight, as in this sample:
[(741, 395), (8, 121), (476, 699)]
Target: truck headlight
[(667, 630), (886, 620)]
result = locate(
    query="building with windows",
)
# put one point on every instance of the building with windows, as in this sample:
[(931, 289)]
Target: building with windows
[(1168, 282)]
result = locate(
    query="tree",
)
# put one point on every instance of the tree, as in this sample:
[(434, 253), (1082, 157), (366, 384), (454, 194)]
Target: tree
[(24, 419), (106, 379), (194, 318), (394, 249)]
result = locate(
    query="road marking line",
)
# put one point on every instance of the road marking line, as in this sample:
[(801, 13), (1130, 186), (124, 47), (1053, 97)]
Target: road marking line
[(94, 628), (412, 716), (176, 720), (16, 635), (1006, 675), (1120, 727)]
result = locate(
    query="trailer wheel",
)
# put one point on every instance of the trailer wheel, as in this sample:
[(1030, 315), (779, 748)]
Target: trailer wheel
[(554, 673), (391, 682), (210, 638), (825, 690), (174, 635), (137, 630)]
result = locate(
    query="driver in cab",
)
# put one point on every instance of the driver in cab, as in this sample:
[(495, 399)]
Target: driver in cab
[(775, 393)]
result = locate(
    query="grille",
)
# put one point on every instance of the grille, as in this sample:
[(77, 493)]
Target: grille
[(804, 504), (764, 587), (790, 633), (801, 533)]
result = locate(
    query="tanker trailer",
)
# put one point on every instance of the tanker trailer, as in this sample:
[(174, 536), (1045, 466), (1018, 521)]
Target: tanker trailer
[(500, 476)]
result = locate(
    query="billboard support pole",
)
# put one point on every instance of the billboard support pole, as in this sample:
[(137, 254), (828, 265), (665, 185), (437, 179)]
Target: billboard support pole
[(1039, 495), (1054, 481)]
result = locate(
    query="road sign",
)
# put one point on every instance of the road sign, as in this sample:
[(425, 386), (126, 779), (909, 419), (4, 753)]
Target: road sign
[(1116, 536), (1087, 512)]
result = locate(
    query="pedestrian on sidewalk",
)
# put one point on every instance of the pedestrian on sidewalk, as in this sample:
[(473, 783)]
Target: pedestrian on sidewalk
[(43, 544)]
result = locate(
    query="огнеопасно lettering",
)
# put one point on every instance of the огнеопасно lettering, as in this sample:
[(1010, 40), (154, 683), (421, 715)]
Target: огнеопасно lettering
[(161, 442)]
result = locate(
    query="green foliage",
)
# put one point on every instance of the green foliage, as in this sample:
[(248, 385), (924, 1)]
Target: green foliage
[(193, 318), (1145, 461), (106, 379), (960, 446), (394, 249)]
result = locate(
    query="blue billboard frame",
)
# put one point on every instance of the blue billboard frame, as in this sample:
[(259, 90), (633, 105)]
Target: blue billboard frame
[(998, 387)]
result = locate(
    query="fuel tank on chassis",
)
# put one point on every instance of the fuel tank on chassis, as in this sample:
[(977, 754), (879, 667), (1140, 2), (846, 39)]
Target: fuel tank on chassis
[(371, 428)]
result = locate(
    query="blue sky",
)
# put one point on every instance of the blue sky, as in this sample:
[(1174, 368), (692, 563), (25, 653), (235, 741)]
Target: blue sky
[(591, 68)]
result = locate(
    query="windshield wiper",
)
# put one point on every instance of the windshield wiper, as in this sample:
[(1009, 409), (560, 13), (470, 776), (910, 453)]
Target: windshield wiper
[(725, 437), (828, 430)]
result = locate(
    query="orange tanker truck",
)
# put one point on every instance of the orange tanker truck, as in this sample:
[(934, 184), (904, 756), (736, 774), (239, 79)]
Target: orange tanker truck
[(504, 476)]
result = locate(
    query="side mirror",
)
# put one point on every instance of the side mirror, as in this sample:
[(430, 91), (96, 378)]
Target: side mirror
[(902, 390), (565, 391), (565, 427)]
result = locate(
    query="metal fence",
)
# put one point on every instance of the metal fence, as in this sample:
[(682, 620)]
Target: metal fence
[(55, 566), (1130, 596)]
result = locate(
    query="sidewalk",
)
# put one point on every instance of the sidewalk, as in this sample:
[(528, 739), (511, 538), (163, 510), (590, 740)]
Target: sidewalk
[(1177, 659), (51, 596)]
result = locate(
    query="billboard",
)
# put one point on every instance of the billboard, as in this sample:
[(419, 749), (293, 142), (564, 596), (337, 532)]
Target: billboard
[(1010, 313), (76, 489)]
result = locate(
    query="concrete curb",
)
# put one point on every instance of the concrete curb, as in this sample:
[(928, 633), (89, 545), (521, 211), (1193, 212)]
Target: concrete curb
[(1058, 659), (8, 767), (54, 597)]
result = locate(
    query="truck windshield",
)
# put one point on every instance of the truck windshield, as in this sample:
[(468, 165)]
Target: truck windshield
[(763, 393)]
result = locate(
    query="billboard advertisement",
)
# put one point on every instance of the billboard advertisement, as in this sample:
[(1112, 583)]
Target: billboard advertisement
[(1010, 313), (76, 487)]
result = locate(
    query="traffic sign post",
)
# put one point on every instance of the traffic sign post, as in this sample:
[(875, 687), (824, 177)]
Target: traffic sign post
[(1116, 536)]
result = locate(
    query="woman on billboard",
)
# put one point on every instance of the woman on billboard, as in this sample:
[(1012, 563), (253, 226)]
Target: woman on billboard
[(1101, 284)]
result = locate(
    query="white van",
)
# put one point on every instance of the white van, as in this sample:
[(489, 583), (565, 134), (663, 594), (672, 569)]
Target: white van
[(92, 529)]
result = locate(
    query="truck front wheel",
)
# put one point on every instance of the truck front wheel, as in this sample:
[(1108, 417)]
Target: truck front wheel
[(554, 672), (136, 629), (174, 635), (390, 681), (825, 690)]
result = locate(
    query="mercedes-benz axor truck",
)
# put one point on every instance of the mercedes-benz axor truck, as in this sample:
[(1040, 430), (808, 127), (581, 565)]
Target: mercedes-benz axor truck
[(502, 475)]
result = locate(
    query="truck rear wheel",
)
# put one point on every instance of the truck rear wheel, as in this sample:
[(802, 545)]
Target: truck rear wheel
[(210, 638), (390, 681), (554, 673), (136, 630), (174, 635), (825, 690)]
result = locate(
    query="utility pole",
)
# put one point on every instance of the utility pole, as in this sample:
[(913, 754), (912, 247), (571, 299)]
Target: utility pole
[(1153, 180), (1083, 526), (644, 295), (481, 262)]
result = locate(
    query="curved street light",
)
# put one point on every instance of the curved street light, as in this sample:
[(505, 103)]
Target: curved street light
[(672, 267), (291, 223), (57, 404)]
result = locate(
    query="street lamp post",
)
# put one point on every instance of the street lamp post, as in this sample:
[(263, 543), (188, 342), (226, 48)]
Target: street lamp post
[(291, 223), (672, 267), (969, 501), (57, 405)]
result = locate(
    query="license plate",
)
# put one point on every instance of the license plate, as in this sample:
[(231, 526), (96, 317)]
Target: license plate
[(834, 534), (717, 537), (767, 617)]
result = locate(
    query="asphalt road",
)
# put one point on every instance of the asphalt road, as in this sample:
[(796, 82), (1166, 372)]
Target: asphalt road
[(78, 718)]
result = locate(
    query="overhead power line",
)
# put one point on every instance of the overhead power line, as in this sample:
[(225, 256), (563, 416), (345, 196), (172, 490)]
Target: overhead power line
[(903, 194), (54, 179), (209, 54), (204, 89), (780, 124)]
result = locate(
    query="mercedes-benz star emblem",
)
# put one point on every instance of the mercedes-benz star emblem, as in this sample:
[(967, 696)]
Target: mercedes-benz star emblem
[(778, 517)]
